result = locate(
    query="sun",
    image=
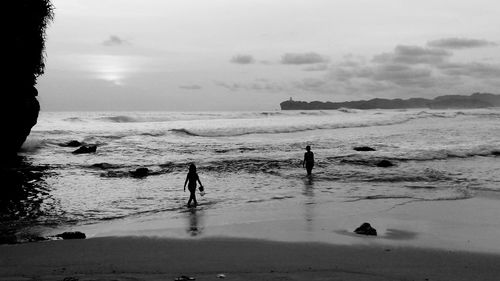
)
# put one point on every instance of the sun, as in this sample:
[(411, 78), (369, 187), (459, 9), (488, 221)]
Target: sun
[(111, 68)]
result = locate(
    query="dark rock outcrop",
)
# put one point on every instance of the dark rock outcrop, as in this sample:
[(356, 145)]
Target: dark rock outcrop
[(366, 229), (363, 148), (86, 149), (72, 235), (23, 33), (476, 100), (140, 172), (384, 163)]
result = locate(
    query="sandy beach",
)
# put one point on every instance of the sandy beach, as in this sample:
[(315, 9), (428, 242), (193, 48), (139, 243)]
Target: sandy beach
[(451, 244), (134, 258)]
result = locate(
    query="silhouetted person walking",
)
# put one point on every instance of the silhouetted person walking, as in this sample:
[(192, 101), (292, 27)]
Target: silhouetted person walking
[(308, 162), (191, 179)]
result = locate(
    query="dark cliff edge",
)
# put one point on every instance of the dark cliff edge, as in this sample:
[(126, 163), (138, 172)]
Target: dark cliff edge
[(476, 100), (23, 31), (22, 185)]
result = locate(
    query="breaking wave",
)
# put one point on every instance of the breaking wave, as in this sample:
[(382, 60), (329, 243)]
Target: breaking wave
[(119, 119)]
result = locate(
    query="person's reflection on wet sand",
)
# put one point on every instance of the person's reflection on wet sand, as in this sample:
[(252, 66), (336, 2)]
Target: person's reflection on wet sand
[(195, 219), (309, 202)]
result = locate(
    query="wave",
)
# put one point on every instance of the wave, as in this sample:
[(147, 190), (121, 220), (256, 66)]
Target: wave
[(240, 131), (348, 110), (119, 119), (271, 113), (321, 125), (185, 132), (365, 159), (74, 119), (33, 145), (153, 134), (53, 132), (459, 195)]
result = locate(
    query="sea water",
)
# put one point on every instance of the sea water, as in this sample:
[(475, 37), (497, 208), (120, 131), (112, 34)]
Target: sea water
[(251, 160)]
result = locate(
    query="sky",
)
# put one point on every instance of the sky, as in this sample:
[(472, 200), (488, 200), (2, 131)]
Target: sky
[(205, 55)]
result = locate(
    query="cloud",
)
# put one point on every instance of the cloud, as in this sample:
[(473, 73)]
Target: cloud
[(460, 43), (243, 59), (114, 40), (413, 55), (406, 70), (191, 87), (473, 69), (256, 85), (403, 75), (316, 67), (303, 58), (413, 70)]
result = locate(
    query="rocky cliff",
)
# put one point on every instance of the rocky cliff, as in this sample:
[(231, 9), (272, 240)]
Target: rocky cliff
[(23, 31), (477, 100)]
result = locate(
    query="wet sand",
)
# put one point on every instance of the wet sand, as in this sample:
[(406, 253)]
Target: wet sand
[(460, 225), (448, 240)]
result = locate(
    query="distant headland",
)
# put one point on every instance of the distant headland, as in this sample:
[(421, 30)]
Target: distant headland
[(476, 100)]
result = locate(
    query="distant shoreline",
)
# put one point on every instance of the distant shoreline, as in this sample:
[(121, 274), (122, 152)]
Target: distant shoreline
[(476, 100)]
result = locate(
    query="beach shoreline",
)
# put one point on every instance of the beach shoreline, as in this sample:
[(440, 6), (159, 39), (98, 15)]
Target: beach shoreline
[(469, 225)]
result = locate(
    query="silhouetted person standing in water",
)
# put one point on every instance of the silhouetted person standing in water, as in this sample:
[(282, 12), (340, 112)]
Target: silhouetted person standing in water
[(308, 162), (192, 177)]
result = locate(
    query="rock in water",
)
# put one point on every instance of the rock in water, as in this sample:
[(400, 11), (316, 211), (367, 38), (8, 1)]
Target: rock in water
[(140, 172), (86, 149), (73, 143), (363, 148), (384, 163), (366, 229), (71, 235)]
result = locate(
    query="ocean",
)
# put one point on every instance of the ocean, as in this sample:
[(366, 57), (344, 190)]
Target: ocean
[(251, 161)]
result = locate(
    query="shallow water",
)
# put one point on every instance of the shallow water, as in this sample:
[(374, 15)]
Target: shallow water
[(248, 160)]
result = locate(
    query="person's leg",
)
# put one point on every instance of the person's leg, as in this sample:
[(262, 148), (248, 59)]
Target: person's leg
[(194, 199), (309, 169), (191, 198)]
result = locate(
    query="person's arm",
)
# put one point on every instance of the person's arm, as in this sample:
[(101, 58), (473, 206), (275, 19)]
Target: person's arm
[(187, 177), (198, 179)]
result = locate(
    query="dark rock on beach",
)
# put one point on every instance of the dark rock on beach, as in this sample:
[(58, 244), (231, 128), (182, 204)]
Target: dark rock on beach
[(72, 235), (363, 148), (366, 229), (495, 153), (140, 172), (86, 149), (384, 164), (8, 239)]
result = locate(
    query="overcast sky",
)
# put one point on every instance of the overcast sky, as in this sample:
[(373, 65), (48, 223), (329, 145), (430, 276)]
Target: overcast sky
[(252, 54)]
